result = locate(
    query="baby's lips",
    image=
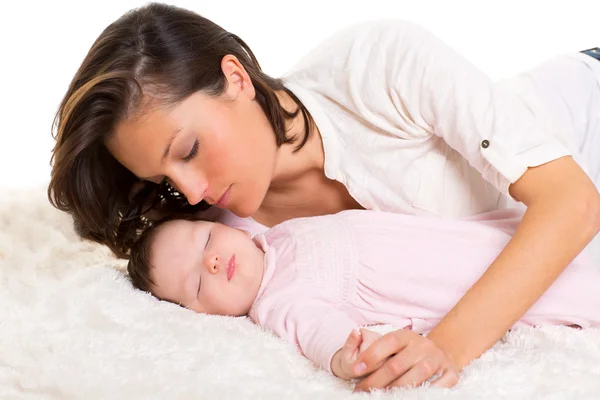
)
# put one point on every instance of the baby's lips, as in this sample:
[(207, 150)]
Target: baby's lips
[(230, 267)]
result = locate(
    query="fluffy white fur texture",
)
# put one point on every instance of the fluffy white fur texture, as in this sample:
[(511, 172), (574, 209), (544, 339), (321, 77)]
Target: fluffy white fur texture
[(72, 327)]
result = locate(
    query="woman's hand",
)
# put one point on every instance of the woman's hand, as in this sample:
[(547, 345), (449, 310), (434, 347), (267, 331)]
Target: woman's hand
[(404, 358), (344, 358)]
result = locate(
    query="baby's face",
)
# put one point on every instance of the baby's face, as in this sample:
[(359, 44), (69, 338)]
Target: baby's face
[(206, 267)]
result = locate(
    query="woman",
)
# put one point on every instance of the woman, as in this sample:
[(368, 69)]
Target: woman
[(169, 112)]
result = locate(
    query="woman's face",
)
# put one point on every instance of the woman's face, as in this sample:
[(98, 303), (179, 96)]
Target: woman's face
[(218, 149)]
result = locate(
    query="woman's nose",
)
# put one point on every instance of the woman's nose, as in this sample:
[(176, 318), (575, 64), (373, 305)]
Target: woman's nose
[(193, 189)]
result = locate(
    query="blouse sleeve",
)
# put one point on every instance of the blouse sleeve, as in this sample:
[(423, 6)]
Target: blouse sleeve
[(499, 130)]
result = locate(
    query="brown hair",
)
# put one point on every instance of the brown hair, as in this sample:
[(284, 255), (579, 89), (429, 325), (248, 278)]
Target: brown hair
[(173, 53), (138, 266)]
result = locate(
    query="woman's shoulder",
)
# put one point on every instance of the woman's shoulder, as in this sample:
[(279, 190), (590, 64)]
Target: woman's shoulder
[(367, 40), (376, 29)]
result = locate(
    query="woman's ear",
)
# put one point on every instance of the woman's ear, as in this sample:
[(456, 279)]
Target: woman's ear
[(238, 80)]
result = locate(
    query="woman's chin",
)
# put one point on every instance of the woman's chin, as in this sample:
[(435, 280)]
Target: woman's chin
[(244, 211)]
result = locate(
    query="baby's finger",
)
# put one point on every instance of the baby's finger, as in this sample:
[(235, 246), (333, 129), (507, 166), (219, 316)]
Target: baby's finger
[(368, 338), (350, 349)]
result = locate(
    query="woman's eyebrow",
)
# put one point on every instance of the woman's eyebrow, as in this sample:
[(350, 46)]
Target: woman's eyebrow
[(168, 148), (165, 155)]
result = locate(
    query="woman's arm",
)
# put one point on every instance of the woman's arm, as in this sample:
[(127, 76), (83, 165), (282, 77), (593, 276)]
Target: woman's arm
[(562, 217), (507, 133)]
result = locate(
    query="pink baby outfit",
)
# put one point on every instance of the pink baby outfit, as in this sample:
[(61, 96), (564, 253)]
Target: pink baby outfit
[(325, 276)]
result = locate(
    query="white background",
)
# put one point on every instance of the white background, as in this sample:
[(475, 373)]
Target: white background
[(43, 43)]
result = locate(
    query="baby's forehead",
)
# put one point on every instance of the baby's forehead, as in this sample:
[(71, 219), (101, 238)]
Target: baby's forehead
[(165, 236), (177, 226), (177, 235), (171, 247)]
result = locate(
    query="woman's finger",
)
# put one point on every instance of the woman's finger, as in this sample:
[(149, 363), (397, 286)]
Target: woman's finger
[(448, 379), (419, 373), (391, 370), (384, 347)]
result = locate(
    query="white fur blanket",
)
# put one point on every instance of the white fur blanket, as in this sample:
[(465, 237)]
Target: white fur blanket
[(71, 326)]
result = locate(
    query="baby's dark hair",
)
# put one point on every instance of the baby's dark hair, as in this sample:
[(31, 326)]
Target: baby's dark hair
[(139, 264)]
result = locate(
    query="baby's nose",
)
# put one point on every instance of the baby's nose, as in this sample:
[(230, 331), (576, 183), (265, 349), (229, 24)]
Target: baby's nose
[(211, 262)]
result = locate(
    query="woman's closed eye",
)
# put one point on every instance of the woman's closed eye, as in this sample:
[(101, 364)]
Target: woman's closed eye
[(192, 152)]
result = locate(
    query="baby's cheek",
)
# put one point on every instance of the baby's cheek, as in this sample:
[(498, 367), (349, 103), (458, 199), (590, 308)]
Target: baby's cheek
[(215, 302)]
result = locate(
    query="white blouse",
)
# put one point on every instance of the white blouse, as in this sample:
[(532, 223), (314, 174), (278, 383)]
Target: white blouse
[(410, 126)]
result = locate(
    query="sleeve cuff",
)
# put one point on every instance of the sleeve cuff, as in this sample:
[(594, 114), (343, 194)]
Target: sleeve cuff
[(330, 345), (505, 168)]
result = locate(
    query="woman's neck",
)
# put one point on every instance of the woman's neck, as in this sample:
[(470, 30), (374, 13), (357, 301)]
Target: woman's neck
[(293, 184), (291, 165), (291, 188), (299, 187)]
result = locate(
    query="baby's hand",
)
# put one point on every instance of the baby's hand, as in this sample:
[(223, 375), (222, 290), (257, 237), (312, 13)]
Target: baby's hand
[(368, 337), (344, 358)]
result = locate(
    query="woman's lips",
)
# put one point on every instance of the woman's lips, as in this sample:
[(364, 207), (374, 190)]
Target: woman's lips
[(230, 267), (222, 203)]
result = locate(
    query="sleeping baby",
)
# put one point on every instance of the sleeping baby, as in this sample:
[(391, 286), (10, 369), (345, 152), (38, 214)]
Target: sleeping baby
[(314, 281)]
